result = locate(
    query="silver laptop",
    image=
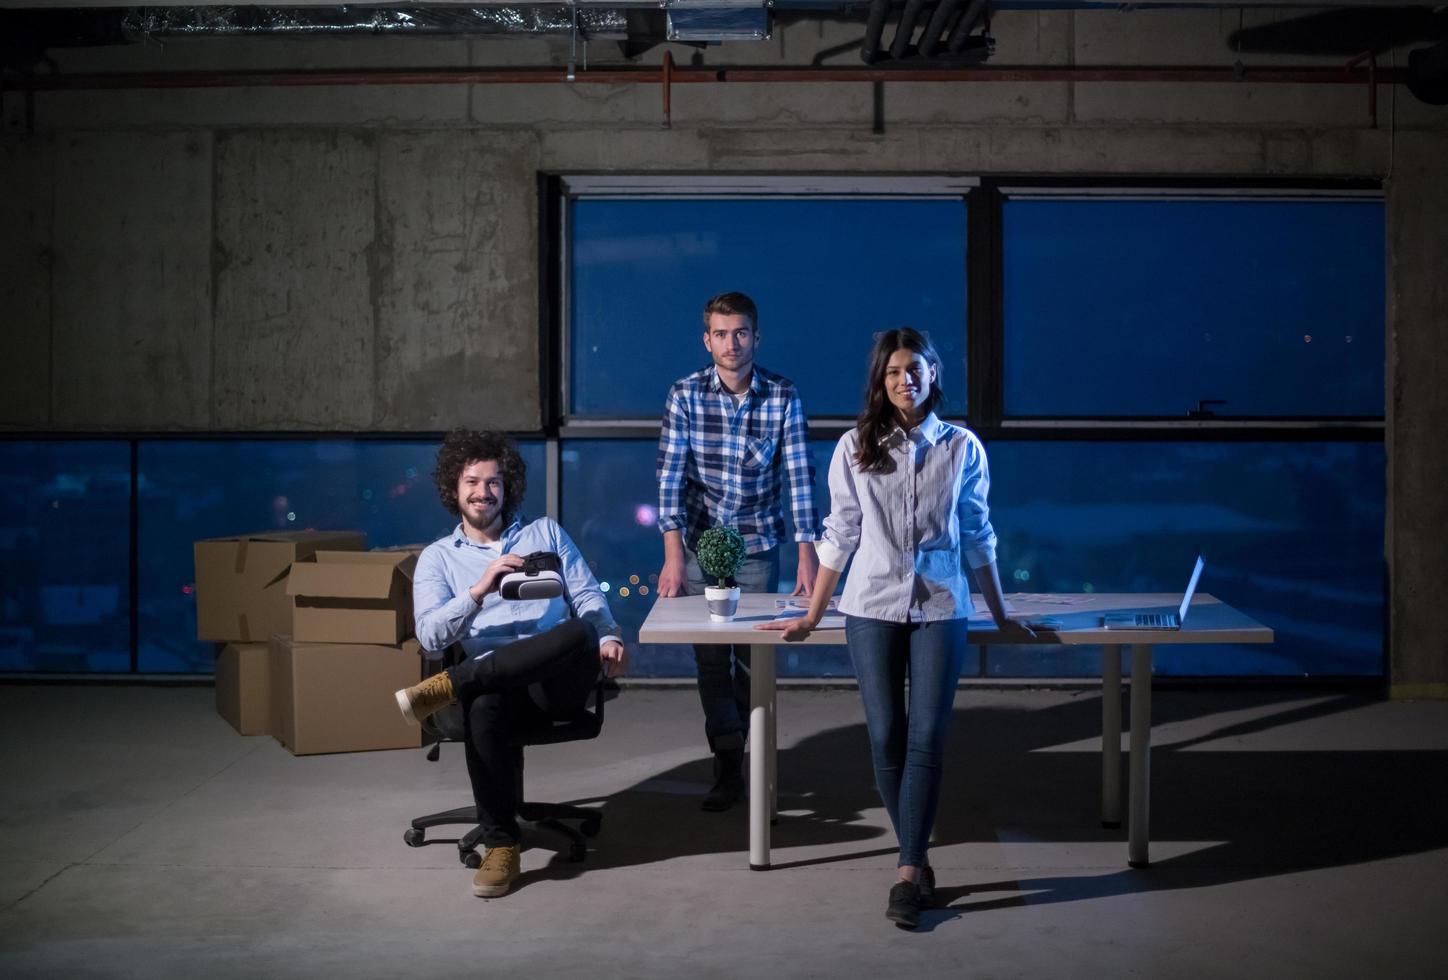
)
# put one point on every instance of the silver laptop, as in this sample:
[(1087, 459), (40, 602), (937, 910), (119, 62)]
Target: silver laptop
[(1157, 621)]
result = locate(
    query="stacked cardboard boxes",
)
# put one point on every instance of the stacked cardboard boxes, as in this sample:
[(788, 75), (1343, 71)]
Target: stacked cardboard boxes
[(317, 635), (333, 678), (241, 600), (241, 581)]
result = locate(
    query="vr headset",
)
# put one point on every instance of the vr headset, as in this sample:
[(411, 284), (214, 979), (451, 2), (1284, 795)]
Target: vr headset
[(541, 577)]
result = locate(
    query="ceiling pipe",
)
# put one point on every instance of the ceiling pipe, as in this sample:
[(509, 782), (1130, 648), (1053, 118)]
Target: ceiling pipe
[(683, 76), (906, 28), (973, 15), (935, 28), (874, 30)]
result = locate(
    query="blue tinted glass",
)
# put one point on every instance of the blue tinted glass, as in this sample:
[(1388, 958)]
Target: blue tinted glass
[(194, 490), (826, 276), (1292, 533), (1147, 307), (65, 577), (610, 504)]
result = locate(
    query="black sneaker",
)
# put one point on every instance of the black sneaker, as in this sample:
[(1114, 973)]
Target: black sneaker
[(728, 781), (904, 907), (926, 884)]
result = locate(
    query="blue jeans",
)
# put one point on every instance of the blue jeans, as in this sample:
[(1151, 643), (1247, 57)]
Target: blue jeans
[(907, 745), (724, 686)]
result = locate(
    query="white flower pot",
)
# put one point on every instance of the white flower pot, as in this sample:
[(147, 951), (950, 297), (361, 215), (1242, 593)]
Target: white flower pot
[(723, 603)]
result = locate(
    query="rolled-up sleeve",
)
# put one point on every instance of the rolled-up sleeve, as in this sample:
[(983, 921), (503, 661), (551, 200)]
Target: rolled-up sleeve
[(841, 534), (977, 537), (441, 617)]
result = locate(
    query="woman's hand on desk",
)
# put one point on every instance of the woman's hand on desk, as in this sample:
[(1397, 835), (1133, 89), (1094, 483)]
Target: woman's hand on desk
[(794, 629), (1011, 628)]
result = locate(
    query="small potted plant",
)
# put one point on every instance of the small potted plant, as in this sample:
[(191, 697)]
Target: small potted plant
[(720, 552)]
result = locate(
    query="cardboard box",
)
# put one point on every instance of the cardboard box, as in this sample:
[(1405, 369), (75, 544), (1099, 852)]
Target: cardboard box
[(241, 582), (243, 687), (415, 550), (352, 597), (338, 697)]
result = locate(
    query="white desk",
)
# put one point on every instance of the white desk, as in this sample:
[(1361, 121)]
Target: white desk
[(686, 620)]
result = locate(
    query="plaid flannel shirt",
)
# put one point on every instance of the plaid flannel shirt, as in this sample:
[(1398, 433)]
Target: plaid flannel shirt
[(724, 464)]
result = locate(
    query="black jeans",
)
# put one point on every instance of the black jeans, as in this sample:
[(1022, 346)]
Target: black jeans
[(524, 684)]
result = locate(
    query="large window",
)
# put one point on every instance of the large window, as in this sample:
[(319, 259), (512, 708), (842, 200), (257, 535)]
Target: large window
[(1155, 371), (1292, 534), (826, 275), (1148, 306), (65, 577), (65, 589)]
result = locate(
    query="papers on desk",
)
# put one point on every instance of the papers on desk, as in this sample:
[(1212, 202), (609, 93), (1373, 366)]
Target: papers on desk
[(1041, 598), (802, 602)]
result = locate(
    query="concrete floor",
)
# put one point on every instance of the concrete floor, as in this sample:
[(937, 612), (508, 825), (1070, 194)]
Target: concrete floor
[(1294, 835)]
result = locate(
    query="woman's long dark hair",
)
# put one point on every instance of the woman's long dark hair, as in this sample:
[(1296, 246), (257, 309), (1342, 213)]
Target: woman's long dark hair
[(878, 417)]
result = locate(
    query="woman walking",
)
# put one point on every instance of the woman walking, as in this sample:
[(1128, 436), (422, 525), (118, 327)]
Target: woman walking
[(908, 500)]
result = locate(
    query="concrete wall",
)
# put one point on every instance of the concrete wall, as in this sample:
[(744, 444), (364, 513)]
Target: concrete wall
[(364, 258)]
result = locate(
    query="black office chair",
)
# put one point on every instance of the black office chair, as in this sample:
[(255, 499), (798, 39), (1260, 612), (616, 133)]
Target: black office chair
[(447, 726)]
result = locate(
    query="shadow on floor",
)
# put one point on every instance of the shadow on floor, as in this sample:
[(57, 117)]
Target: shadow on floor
[(1257, 812)]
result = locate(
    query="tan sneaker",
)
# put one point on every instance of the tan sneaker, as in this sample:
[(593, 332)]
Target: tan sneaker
[(501, 866), (421, 700)]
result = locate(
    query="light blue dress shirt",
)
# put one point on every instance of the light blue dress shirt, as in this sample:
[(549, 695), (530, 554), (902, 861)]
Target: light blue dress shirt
[(446, 613), (910, 529)]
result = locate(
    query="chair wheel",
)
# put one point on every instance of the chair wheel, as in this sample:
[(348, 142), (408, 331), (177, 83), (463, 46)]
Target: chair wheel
[(577, 852), (413, 836), (591, 826), (472, 859)]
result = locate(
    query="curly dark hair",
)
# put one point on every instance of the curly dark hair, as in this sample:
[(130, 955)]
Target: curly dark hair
[(460, 447)]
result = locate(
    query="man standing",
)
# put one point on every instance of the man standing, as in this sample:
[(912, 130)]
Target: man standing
[(526, 662), (733, 435)]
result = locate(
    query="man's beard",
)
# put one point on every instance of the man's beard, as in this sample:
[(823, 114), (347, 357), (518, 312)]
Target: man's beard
[(496, 517)]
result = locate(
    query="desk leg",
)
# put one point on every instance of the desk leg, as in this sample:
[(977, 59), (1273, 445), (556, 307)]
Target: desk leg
[(1111, 736), (772, 756), (1139, 830), (761, 753)]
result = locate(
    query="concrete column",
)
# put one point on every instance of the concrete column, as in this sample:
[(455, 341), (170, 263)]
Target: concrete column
[(1417, 410)]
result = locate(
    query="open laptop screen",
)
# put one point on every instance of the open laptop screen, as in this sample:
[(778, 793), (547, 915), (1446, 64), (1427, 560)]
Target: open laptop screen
[(1191, 589)]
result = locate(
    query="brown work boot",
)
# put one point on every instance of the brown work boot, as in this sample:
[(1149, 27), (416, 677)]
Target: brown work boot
[(421, 700), (500, 869)]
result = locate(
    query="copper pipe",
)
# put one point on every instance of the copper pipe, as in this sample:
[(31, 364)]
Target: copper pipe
[(652, 76)]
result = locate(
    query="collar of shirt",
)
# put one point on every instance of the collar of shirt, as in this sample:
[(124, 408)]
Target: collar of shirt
[(715, 383), (510, 534), (929, 431)]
